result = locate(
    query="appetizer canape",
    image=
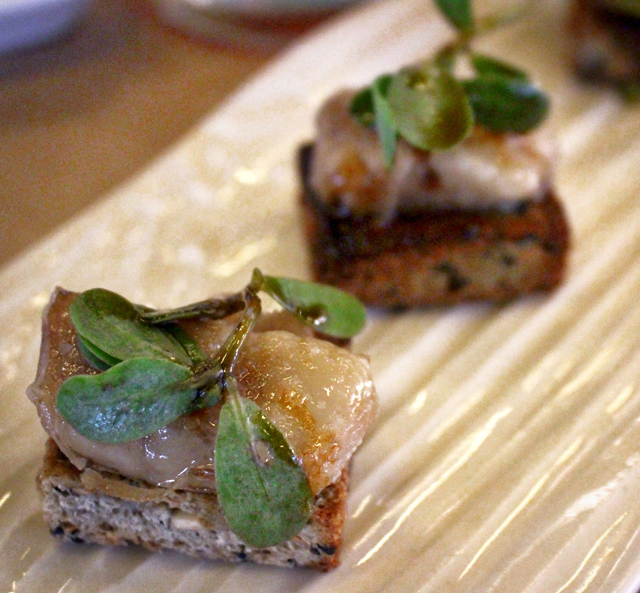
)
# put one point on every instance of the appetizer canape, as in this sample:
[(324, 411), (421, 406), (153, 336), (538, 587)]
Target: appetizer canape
[(211, 429), (430, 188)]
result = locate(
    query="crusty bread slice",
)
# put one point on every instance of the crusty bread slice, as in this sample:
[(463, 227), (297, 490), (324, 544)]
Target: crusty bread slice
[(436, 257), (100, 507)]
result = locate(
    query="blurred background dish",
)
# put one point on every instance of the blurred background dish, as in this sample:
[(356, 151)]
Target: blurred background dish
[(268, 8), (262, 25), (28, 23), (82, 113)]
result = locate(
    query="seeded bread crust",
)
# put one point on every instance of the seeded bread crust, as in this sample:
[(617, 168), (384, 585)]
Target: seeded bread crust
[(436, 257), (604, 44), (100, 507)]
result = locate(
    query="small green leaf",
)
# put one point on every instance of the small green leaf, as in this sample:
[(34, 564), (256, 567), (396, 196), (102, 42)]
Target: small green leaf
[(94, 356), (189, 345), (488, 66), (371, 107), (504, 105), (113, 324), (207, 397), (328, 309), (430, 107), (263, 492), (130, 400), (446, 57), (385, 127), (458, 13), (362, 107), (207, 379)]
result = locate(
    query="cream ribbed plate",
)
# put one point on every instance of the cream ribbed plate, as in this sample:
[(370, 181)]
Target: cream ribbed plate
[(506, 454)]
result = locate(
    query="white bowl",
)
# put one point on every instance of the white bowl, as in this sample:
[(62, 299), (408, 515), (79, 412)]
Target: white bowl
[(28, 23)]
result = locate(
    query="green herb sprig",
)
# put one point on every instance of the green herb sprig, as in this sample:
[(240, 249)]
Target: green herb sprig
[(153, 372), (432, 109)]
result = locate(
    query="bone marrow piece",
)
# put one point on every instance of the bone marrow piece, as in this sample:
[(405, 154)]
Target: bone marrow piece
[(160, 491)]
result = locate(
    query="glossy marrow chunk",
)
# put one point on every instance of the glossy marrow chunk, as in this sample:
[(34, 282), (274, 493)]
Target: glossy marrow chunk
[(486, 170)]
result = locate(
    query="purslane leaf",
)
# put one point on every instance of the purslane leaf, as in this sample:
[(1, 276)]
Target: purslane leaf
[(506, 105), (371, 107), (263, 492), (430, 107), (188, 344), (113, 324), (384, 123), (487, 66), (432, 110), (362, 107), (94, 356), (458, 13), (130, 400), (328, 309)]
